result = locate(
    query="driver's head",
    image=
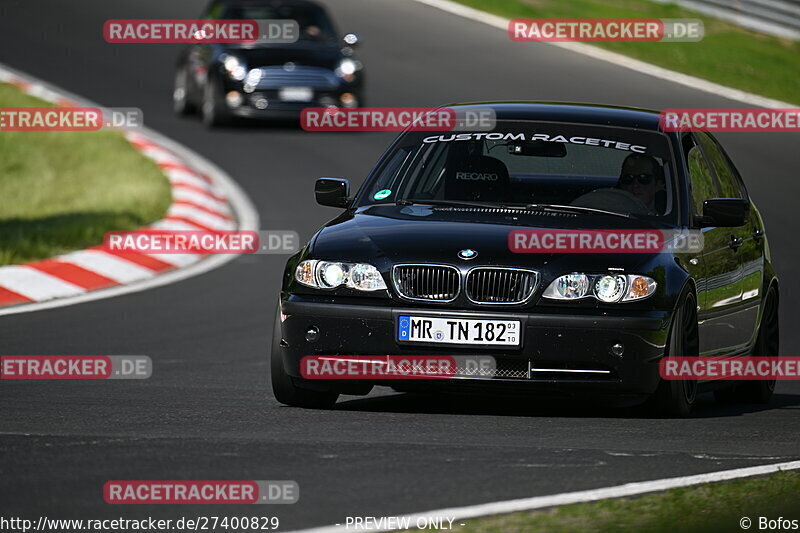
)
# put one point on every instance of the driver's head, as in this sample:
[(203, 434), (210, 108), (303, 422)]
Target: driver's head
[(641, 176)]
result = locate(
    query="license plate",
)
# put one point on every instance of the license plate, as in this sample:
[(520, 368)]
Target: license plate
[(296, 94), (458, 331)]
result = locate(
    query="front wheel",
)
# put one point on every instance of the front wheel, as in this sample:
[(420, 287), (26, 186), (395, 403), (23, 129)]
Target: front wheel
[(213, 110), (675, 398), (180, 93), (283, 386)]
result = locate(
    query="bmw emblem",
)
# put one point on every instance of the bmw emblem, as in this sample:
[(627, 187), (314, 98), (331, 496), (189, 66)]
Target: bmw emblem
[(289, 67), (468, 254)]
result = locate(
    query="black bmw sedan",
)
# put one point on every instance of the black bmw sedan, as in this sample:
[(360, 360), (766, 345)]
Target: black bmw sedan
[(265, 79), (433, 252)]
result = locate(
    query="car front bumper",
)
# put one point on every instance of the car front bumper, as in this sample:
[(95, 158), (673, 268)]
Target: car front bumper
[(560, 352)]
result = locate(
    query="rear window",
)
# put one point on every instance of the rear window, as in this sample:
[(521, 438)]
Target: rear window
[(520, 163)]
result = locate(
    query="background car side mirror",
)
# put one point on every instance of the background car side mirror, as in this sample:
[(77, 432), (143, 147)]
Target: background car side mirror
[(333, 192), (351, 39), (725, 212)]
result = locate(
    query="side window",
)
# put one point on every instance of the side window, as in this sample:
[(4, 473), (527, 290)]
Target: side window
[(702, 181), (390, 175), (728, 182)]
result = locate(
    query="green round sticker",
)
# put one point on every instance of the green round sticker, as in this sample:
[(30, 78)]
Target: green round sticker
[(383, 193)]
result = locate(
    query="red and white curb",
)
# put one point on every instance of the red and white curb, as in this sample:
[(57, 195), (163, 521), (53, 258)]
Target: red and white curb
[(203, 198)]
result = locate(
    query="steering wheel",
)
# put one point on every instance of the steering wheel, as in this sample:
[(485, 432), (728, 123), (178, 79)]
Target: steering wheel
[(612, 199)]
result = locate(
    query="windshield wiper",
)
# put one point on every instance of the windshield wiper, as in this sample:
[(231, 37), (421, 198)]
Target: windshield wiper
[(544, 207), (576, 208), (464, 203)]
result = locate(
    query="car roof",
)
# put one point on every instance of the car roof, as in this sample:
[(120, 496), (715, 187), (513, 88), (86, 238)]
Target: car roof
[(269, 2), (605, 115)]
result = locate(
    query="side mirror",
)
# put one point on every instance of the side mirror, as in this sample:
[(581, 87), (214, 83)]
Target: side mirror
[(351, 39), (333, 192), (725, 212)]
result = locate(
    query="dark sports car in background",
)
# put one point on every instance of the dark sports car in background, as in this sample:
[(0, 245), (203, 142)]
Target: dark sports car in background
[(425, 243), (268, 80)]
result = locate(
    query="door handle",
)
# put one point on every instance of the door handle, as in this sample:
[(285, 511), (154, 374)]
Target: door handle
[(735, 242)]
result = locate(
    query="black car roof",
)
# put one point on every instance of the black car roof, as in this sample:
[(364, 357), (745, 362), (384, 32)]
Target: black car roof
[(606, 115), (309, 3)]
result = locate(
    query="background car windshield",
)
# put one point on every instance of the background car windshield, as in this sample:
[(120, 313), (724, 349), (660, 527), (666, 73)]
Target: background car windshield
[(518, 163), (313, 21)]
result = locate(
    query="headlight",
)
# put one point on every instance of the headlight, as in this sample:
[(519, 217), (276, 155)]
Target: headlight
[(331, 274), (608, 288), (365, 277), (234, 67), (347, 69), (569, 287)]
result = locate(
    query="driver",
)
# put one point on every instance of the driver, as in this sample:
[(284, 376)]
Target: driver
[(642, 176)]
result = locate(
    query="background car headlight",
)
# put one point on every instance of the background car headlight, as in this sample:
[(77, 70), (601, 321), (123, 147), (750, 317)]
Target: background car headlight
[(234, 67), (609, 288), (347, 69), (568, 287), (332, 274)]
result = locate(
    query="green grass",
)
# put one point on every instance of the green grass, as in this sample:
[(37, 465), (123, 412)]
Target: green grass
[(61, 191), (702, 509), (729, 55)]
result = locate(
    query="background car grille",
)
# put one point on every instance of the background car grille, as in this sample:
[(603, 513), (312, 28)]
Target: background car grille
[(437, 283), (500, 285), (314, 77)]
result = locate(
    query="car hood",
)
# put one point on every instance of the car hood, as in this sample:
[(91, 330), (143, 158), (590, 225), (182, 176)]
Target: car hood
[(387, 235), (301, 53)]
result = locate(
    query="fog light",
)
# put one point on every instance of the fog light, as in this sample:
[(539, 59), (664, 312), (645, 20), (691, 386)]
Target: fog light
[(261, 103), (617, 349), (233, 98), (312, 334), (349, 100)]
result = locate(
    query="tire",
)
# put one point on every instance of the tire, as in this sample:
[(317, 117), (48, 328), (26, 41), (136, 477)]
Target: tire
[(180, 94), (767, 345), (675, 398), (213, 109), (283, 386)]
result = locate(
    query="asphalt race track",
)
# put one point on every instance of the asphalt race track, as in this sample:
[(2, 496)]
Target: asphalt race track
[(208, 412)]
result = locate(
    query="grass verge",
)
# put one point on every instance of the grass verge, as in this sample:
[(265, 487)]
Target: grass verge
[(707, 508), (729, 55), (62, 191)]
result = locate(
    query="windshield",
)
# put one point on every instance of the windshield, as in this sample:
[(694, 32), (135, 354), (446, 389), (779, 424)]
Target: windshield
[(585, 167), (313, 21)]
